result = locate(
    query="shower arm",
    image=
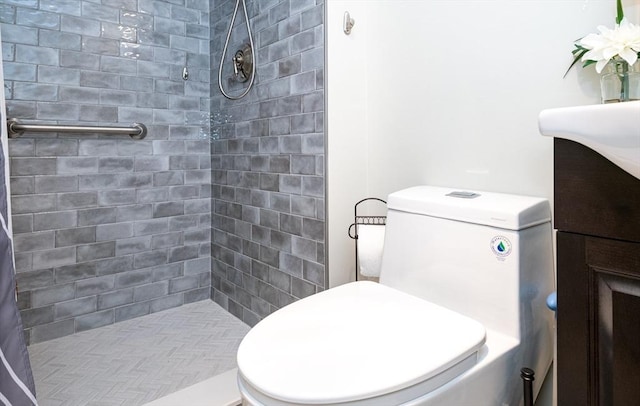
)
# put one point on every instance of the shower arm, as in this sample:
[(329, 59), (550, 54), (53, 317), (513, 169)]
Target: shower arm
[(224, 53)]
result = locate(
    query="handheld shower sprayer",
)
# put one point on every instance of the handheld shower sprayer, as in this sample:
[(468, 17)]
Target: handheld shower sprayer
[(244, 67)]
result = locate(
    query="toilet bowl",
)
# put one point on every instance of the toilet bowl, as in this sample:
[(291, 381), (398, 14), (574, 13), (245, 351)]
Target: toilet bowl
[(458, 311)]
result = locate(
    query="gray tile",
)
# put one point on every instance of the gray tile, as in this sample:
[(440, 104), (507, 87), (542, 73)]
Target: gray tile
[(102, 46), (94, 320), (98, 79), (166, 240), (52, 294), (34, 241), (304, 206), (313, 272), (290, 144), (154, 163), (21, 147), (197, 295), (19, 71), (22, 223), (197, 266), (134, 278), (116, 197), (135, 180), (150, 291), (53, 258), (56, 184), (98, 113), (116, 298), (62, 40), (54, 220), (77, 165), (75, 307), (168, 178), (183, 253), (184, 192), (32, 166), (167, 302), (98, 250), (167, 209), (96, 216), (181, 223), (117, 97), (49, 331), (108, 232), (313, 229), (35, 279), (37, 316), (169, 271), (131, 311), (155, 226), (133, 245), (22, 185), (60, 76), (36, 55), (304, 248), (313, 186), (78, 200), (115, 164), (71, 59), (75, 236), (291, 224), (19, 34), (150, 258), (303, 164), (134, 212), (74, 272)]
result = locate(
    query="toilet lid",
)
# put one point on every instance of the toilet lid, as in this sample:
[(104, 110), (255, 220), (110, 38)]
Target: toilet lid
[(352, 342)]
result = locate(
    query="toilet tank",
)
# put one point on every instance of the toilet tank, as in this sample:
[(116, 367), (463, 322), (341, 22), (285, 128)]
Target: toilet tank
[(485, 255)]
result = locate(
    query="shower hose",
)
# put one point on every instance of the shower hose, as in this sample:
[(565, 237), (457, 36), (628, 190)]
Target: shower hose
[(224, 52)]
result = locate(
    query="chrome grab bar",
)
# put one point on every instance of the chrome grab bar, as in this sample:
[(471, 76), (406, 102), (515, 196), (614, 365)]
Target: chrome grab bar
[(15, 128)]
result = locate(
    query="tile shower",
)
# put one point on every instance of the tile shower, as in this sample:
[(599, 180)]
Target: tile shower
[(222, 200), (268, 162)]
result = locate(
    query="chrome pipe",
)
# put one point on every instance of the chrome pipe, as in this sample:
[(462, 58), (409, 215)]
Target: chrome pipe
[(137, 131)]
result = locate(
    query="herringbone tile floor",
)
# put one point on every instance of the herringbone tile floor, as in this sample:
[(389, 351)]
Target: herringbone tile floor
[(139, 360)]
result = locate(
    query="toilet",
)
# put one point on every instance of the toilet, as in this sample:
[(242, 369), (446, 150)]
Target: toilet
[(459, 310)]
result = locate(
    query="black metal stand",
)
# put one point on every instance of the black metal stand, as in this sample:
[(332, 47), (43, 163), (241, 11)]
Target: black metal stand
[(368, 220), (527, 376)]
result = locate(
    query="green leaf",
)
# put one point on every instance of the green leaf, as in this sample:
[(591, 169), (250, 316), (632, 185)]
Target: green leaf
[(620, 14), (578, 53), (579, 48), (588, 62)]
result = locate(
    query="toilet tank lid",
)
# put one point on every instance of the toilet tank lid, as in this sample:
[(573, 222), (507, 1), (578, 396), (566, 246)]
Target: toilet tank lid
[(512, 212)]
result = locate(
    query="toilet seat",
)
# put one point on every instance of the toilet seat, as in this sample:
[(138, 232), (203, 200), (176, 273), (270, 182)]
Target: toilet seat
[(358, 341)]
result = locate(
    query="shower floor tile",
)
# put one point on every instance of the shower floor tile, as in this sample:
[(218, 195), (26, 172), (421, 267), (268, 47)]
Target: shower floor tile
[(139, 360)]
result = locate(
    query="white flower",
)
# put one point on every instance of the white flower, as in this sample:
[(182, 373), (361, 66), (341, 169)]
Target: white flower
[(622, 41)]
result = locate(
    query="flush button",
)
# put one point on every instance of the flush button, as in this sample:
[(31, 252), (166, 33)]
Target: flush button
[(463, 195)]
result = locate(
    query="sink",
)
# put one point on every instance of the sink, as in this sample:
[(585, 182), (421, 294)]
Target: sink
[(612, 130)]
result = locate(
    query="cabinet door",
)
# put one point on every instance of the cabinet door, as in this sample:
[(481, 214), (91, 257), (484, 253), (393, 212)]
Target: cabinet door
[(598, 321)]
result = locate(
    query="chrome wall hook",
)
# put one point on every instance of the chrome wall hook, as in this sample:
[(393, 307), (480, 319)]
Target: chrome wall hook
[(347, 23)]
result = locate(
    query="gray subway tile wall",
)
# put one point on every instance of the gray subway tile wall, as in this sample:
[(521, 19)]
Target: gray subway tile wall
[(107, 228), (268, 160)]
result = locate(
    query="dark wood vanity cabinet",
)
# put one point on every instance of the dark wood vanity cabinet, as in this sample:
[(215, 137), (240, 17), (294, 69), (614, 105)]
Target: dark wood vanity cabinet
[(597, 215)]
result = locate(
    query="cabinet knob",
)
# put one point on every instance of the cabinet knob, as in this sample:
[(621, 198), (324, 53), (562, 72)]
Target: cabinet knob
[(552, 301)]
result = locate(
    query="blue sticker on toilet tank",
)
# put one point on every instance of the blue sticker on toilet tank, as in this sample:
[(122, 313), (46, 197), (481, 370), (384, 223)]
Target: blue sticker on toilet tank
[(501, 246)]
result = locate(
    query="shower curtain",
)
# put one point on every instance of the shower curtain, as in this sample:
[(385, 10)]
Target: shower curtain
[(16, 379)]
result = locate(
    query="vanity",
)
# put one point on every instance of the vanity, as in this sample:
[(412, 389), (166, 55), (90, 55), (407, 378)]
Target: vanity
[(597, 215)]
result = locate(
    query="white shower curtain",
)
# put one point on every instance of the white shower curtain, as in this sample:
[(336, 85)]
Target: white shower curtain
[(16, 379)]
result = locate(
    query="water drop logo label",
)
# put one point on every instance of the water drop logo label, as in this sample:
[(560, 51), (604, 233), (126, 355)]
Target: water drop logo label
[(501, 246)]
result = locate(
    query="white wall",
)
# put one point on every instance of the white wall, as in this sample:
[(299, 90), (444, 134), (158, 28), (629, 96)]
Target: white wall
[(447, 93)]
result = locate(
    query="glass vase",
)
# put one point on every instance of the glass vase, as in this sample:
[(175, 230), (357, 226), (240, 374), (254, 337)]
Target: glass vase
[(620, 82)]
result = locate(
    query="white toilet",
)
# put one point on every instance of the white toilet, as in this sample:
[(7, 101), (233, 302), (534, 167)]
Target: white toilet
[(459, 310)]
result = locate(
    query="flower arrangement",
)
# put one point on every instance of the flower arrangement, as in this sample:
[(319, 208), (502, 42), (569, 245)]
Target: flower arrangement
[(620, 43)]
